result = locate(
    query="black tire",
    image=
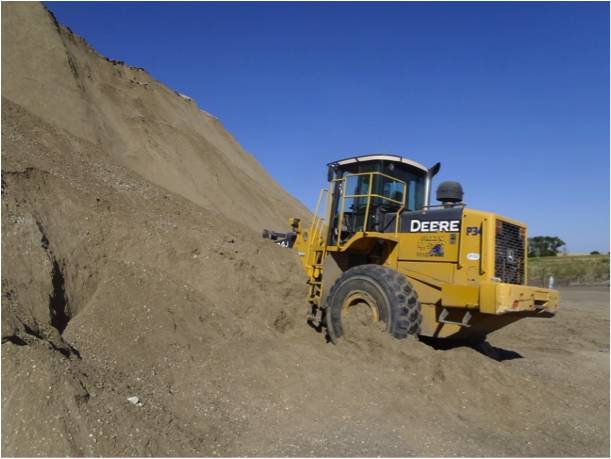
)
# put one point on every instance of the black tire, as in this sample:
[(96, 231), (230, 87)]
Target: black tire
[(389, 294)]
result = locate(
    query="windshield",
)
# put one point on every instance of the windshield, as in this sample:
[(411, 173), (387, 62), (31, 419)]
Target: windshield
[(415, 181), (414, 178)]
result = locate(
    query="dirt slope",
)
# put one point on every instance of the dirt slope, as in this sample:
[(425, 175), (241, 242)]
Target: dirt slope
[(139, 282), (142, 124), (115, 286)]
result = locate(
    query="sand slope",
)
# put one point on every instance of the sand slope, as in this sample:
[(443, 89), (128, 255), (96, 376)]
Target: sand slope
[(140, 123)]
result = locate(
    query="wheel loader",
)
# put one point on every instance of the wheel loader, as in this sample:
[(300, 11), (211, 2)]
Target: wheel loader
[(377, 244)]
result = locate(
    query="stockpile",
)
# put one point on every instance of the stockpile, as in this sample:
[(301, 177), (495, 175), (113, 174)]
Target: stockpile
[(131, 247)]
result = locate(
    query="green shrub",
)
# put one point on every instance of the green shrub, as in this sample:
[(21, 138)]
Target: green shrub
[(568, 269)]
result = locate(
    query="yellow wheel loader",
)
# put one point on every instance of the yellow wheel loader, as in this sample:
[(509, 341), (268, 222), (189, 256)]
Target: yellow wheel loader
[(376, 244)]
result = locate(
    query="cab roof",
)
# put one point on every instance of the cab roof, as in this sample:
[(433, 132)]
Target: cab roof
[(367, 158)]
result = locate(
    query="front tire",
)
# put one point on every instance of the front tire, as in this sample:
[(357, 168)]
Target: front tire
[(389, 295)]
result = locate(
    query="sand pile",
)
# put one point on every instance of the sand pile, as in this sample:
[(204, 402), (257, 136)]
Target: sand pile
[(143, 315), (140, 123), (100, 266)]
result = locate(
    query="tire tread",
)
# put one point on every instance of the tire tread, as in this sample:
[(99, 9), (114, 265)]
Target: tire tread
[(406, 315)]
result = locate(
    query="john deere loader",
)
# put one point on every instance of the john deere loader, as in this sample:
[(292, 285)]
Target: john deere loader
[(443, 271)]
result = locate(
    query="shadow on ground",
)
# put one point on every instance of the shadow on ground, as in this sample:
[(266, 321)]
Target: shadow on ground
[(483, 347)]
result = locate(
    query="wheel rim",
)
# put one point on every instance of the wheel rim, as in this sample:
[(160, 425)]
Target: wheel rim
[(359, 297)]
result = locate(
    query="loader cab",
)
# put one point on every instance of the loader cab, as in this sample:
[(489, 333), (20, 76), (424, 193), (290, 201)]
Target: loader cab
[(367, 188)]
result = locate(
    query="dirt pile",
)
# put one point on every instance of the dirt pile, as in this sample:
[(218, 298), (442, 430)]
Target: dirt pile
[(121, 280), (108, 276), (137, 121)]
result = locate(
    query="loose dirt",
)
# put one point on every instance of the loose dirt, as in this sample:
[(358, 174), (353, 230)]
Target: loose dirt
[(134, 268)]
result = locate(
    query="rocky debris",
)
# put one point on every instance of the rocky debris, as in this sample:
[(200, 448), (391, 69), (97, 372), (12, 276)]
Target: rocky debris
[(134, 401)]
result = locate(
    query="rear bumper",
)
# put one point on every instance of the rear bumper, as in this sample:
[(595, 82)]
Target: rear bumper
[(474, 311), (498, 298)]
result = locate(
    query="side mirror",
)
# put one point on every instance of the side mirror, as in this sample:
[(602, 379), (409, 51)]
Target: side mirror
[(330, 174)]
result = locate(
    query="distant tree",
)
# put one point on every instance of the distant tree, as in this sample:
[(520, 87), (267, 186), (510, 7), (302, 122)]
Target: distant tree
[(596, 252), (544, 246)]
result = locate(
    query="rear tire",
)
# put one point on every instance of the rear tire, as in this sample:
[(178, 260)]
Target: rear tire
[(390, 296)]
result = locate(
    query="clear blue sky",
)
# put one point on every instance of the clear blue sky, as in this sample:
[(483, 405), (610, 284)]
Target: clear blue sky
[(511, 98)]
